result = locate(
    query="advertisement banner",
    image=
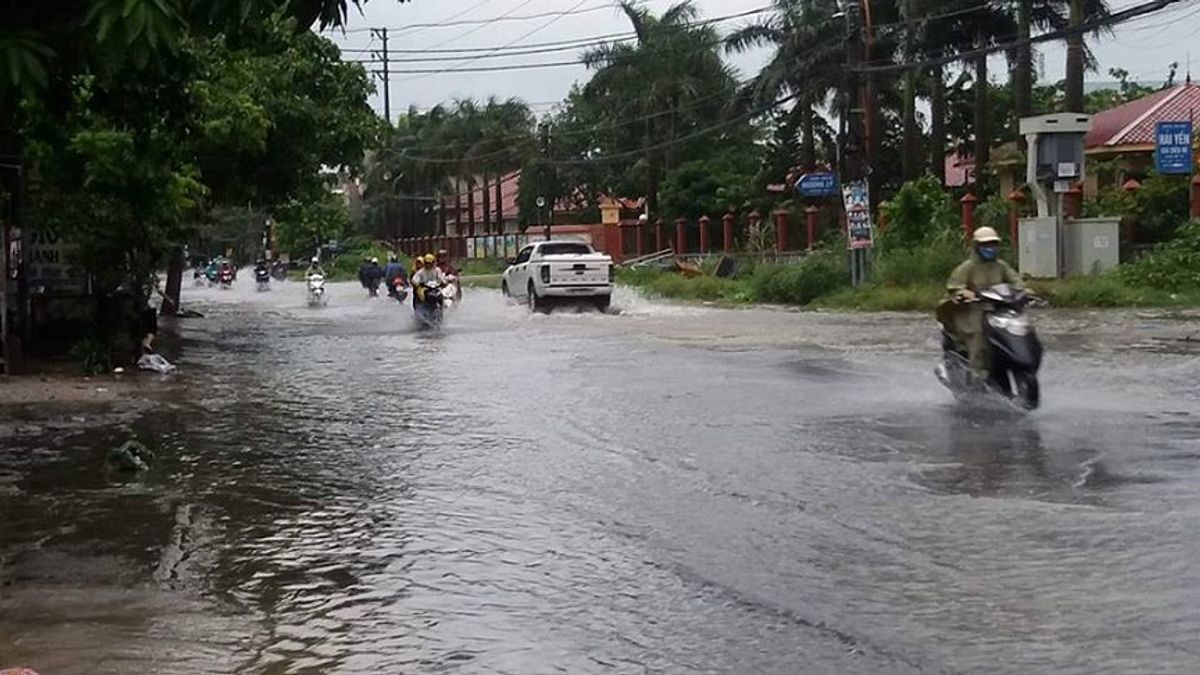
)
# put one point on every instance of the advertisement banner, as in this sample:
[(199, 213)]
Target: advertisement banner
[(470, 248), (510, 246), (858, 215), (53, 267)]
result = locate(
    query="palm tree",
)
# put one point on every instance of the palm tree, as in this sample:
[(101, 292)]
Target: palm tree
[(672, 66), (807, 42)]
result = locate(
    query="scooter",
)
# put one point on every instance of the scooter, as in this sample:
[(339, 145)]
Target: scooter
[(225, 277), (279, 270), (1016, 351), (199, 279), (430, 310), (316, 290), (373, 287), (262, 279)]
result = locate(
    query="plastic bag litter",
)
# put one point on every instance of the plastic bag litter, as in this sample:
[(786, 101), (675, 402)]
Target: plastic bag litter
[(156, 363)]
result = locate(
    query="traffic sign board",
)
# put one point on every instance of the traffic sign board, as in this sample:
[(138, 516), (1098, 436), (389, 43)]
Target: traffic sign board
[(1173, 147), (820, 184)]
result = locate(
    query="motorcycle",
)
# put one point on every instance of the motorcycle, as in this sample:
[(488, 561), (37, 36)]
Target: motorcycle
[(1016, 351), (373, 287), (398, 289), (199, 278), (430, 309), (262, 279), (225, 277), (316, 290), (279, 270)]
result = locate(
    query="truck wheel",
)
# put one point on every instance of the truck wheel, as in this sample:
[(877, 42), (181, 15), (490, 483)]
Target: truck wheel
[(603, 302), (504, 289), (536, 304)]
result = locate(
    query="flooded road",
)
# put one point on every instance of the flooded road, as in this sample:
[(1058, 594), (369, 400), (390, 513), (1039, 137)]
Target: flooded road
[(671, 490)]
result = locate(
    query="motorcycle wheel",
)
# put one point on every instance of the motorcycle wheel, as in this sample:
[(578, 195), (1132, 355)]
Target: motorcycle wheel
[(1028, 392)]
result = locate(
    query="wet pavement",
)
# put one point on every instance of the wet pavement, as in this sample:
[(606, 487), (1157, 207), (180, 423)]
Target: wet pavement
[(670, 490)]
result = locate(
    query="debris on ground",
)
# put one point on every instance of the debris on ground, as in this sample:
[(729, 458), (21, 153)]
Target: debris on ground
[(155, 362), (130, 456)]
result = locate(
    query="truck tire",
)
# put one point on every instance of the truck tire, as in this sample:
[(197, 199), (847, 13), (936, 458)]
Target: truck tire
[(504, 289), (537, 304), (602, 303)]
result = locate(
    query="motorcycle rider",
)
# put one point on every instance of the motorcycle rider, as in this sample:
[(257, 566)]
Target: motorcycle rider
[(260, 269), (314, 267), (395, 275), (427, 271), (444, 264), (959, 313)]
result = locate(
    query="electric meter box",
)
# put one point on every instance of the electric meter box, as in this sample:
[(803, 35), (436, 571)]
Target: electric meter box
[(1059, 141), (1090, 245), (1038, 254)]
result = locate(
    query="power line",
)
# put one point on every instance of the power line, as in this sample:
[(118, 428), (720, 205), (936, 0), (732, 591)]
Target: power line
[(502, 18), (1113, 19)]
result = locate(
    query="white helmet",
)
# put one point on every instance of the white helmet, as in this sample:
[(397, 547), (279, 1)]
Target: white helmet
[(375, 261), (986, 235), (315, 260)]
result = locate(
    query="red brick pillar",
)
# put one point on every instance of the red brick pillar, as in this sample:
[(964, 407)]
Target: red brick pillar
[(781, 230), (1073, 202), (639, 231), (968, 203), (1016, 199), (660, 236), (705, 224), (810, 225), (680, 236), (727, 231), (1130, 187)]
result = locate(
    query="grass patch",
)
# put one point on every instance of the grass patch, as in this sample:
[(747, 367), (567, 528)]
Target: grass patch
[(671, 285), (875, 298), (482, 281), (482, 266), (1108, 291)]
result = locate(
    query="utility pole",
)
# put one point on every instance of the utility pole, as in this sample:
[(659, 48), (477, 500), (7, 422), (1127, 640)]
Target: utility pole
[(382, 34)]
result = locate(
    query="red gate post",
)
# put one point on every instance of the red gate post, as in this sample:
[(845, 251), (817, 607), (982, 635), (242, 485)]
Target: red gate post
[(781, 230), (1131, 187), (968, 216), (810, 224), (727, 231), (705, 224), (1016, 199), (660, 238), (680, 236), (640, 231), (1073, 202)]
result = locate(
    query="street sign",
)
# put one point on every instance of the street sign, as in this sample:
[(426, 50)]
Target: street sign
[(822, 184), (858, 215), (1173, 147)]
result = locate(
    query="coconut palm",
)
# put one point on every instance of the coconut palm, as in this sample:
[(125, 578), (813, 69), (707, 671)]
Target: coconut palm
[(671, 78), (807, 38)]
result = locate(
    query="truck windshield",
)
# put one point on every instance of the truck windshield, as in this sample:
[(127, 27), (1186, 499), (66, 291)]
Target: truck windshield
[(566, 249)]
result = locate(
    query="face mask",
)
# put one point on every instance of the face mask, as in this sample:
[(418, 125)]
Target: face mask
[(989, 253)]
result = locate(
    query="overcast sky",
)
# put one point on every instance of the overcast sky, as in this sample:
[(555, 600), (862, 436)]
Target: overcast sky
[(1144, 47)]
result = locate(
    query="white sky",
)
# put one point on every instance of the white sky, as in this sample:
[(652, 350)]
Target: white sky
[(1144, 47)]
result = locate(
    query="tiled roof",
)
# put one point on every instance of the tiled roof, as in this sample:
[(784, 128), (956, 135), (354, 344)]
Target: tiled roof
[(1133, 123)]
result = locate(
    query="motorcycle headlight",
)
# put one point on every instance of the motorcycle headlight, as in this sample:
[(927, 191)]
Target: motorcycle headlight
[(1016, 325)]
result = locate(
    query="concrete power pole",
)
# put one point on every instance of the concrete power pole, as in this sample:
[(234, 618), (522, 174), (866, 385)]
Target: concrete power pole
[(382, 34)]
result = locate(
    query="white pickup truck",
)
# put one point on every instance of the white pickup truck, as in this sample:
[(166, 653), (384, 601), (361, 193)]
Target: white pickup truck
[(547, 271)]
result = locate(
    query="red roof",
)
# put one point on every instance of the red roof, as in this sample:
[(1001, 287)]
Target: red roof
[(1133, 123)]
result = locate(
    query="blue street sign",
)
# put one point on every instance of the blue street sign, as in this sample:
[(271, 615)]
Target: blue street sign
[(822, 184), (1173, 147)]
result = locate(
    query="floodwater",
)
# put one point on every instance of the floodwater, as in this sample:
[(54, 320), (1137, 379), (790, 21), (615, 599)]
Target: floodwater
[(668, 490)]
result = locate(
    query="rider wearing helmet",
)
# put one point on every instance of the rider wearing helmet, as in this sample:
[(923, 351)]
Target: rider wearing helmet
[(426, 272), (395, 275), (961, 316), (443, 263), (314, 267)]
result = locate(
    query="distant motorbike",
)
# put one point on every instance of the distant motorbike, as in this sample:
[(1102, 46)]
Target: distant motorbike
[(1016, 351), (430, 309), (372, 286), (199, 278), (398, 289), (279, 270), (316, 290), (225, 277), (262, 279)]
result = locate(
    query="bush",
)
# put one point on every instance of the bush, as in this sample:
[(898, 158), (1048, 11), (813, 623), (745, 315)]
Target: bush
[(672, 285), (800, 283), (931, 263), (1160, 208), (1173, 266), (921, 210)]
